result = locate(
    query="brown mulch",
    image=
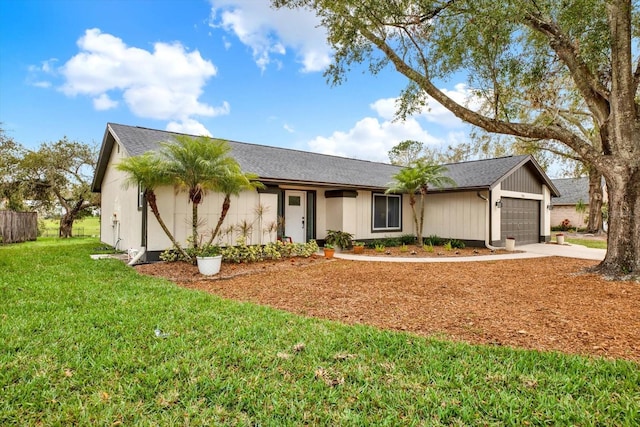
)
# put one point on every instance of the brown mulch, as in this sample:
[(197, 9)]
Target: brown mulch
[(539, 303)]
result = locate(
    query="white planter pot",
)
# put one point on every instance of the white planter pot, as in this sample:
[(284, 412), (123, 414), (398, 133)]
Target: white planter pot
[(560, 239), (209, 265), (510, 244)]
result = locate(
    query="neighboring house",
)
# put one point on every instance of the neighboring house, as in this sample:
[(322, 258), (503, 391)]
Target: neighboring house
[(312, 192), (573, 191)]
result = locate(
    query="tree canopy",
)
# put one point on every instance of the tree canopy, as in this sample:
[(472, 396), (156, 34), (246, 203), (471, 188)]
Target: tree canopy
[(534, 67)]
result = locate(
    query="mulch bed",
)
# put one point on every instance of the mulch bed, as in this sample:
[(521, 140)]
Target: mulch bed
[(539, 303)]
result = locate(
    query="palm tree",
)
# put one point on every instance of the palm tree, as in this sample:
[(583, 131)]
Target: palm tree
[(415, 179), (233, 183), (149, 172), (197, 165)]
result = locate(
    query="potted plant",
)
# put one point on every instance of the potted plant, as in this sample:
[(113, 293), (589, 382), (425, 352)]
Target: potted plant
[(329, 250), (339, 239), (208, 258), (510, 243), (358, 247), (560, 238)]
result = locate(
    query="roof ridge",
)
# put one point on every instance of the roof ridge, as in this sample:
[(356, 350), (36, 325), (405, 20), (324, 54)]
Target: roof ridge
[(261, 145), (487, 160)]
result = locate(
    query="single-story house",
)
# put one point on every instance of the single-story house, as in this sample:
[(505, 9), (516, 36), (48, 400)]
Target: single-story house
[(309, 193), (572, 192)]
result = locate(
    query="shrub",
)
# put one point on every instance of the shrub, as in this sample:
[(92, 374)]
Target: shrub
[(458, 244), (427, 248), (404, 248), (339, 238), (407, 239), (433, 240), (380, 248), (447, 246), (254, 253)]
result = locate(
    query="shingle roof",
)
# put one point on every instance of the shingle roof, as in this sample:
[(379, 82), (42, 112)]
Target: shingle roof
[(294, 166), (571, 190)]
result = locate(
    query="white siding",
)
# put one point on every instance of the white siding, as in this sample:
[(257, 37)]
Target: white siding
[(455, 215), (120, 219)]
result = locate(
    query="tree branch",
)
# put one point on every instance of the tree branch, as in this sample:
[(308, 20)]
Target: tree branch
[(594, 93), (525, 130)]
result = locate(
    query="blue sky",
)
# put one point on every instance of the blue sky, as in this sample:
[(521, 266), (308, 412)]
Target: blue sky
[(232, 69)]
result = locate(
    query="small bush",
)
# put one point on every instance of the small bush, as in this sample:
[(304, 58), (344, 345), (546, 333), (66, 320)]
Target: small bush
[(404, 248), (433, 240), (458, 244), (380, 248), (427, 248), (254, 253), (408, 239), (447, 246)]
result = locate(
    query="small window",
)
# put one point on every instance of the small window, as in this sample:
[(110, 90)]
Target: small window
[(386, 212), (294, 200)]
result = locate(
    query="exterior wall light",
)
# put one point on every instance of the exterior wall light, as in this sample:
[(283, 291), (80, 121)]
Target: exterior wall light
[(499, 204)]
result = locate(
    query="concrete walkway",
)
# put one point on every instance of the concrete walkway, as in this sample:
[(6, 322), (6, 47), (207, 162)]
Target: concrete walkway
[(536, 250)]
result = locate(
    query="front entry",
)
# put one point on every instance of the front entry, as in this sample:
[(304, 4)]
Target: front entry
[(294, 215)]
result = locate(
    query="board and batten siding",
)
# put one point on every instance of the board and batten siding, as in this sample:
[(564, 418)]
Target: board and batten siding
[(457, 215), (522, 180), (176, 212)]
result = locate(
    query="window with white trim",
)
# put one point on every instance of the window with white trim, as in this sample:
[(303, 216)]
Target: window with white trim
[(386, 212)]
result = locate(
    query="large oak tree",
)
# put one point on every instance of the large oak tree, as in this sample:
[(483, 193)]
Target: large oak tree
[(530, 61)]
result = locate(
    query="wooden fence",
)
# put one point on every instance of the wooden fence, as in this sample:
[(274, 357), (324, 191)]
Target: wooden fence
[(18, 226)]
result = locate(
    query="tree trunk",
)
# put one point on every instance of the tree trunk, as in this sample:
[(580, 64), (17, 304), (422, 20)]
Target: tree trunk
[(594, 224), (66, 226), (194, 224), (66, 221), (623, 240), (151, 200), (223, 214)]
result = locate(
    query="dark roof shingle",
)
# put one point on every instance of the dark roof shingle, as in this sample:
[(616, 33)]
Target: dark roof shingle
[(294, 166)]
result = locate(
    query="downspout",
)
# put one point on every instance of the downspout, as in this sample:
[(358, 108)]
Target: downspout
[(138, 255), (487, 228)]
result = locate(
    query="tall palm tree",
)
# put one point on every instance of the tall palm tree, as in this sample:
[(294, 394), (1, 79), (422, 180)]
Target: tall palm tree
[(149, 172), (416, 179), (197, 165), (233, 183)]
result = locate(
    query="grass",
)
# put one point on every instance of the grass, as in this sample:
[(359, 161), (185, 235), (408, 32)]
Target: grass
[(77, 347), (89, 226), (589, 243)]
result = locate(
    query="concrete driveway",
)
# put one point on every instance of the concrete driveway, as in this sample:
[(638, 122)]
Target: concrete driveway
[(566, 250)]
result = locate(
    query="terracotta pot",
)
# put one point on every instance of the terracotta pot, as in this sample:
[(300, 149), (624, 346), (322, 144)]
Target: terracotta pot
[(358, 249), (328, 253)]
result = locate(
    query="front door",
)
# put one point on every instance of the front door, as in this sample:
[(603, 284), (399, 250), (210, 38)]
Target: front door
[(294, 212)]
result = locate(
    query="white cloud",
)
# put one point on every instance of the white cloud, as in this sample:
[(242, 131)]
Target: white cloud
[(47, 68), (269, 32), (164, 84), (371, 138), (103, 102), (188, 126), (288, 128)]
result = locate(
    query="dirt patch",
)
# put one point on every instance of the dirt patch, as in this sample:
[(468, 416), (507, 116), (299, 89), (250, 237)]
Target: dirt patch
[(539, 303)]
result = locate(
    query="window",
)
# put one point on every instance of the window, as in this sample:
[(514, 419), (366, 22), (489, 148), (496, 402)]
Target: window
[(294, 200), (387, 212)]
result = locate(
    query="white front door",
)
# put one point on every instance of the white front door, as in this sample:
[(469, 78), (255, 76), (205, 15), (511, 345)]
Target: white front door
[(294, 212)]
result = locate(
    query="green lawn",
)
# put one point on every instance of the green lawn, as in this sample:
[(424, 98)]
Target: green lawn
[(77, 347), (590, 243), (89, 226)]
